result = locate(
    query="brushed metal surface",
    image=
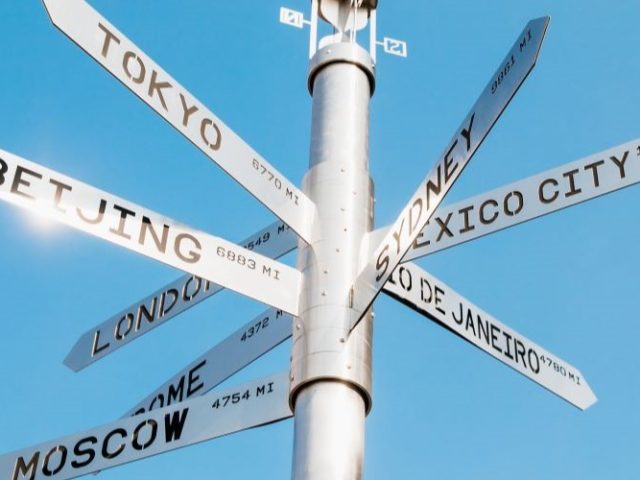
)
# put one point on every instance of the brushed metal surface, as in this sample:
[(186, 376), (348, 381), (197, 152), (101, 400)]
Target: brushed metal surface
[(96, 343), (138, 72), (434, 299), (214, 415), (58, 197), (257, 337), (533, 197), (323, 409), (511, 73), (330, 372)]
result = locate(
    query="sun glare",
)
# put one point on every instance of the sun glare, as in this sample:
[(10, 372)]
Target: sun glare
[(40, 222)]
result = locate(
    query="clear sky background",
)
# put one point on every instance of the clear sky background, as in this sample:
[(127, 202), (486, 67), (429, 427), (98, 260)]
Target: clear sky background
[(442, 409)]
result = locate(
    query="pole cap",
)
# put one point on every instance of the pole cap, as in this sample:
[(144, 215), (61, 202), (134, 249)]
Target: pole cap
[(342, 52)]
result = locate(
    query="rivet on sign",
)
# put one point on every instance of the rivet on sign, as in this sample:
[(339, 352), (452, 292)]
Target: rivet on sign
[(342, 340), (298, 326)]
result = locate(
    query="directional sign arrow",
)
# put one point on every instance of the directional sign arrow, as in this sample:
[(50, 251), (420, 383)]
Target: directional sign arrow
[(246, 406), (511, 73), (249, 342), (176, 297), (122, 58), (46, 192), (524, 200), (429, 296)]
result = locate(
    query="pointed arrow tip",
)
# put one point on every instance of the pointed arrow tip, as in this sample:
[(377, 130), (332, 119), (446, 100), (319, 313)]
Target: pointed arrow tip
[(70, 365), (586, 398), (49, 6), (74, 361), (543, 23), (57, 8), (590, 399)]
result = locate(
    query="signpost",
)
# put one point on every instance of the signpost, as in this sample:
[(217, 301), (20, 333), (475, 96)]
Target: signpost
[(220, 413), (431, 297), (176, 297), (451, 225), (511, 73), (249, 342), (524, 200), (125, 61), (46, 192), (324, 304)]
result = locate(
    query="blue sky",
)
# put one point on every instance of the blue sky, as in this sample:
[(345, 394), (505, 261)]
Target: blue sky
[(442, 409)]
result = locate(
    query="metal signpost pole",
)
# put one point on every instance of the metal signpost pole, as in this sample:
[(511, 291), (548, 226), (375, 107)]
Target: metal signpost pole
[(330, 369)]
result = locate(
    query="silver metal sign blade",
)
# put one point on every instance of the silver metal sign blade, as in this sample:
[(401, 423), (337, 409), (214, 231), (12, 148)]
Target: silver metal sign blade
[(249, 342), (510, 75), (246, 406), (533, 197), (58, 197), (490, 212), (138, 72), (429, 296), (176, 297)]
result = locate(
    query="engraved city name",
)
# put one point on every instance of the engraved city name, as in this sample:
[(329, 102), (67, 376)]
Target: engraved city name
[(36, 187), (235, 352), (526, 199), (220, 413), (156, 87), (485, 112), (138, 72), (44, 191), (415, 216), (108, 446), (431, 297), (154, 310), (135, 320)]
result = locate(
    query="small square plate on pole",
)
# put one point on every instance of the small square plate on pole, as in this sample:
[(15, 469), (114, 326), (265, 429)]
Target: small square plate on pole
[(292, 17), (394, 47)]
